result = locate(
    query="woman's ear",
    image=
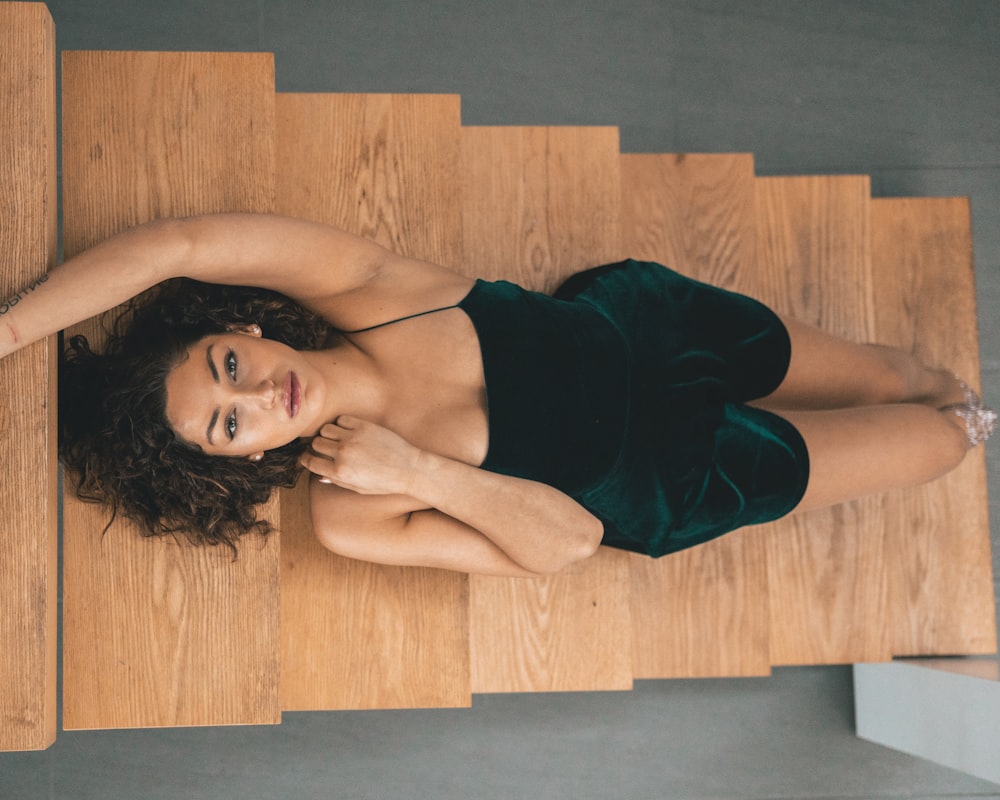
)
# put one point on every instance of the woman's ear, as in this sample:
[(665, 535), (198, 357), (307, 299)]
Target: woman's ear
[(256, 456)]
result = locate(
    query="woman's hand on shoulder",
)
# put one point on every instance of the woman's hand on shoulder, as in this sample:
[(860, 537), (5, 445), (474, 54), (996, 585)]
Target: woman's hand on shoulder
[(363, 457)]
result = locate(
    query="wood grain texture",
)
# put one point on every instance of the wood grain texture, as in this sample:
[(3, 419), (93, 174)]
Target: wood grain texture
[(538, 205), (826, 569), (28, 558), (157, 633), (701, 612), (381, 166), (828, 586), (359, 635), (693, 212), (941, 584)]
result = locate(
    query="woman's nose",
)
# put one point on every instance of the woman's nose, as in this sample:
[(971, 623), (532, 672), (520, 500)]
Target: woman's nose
[(263, 393)]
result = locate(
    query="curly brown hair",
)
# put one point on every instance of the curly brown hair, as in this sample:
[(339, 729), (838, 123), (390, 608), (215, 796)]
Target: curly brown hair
[(113, 431)]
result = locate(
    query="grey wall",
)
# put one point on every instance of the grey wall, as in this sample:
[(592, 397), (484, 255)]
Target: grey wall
[(903, 91)]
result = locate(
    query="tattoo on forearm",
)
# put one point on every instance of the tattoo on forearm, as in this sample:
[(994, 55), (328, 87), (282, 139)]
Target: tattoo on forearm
[(17, 298)]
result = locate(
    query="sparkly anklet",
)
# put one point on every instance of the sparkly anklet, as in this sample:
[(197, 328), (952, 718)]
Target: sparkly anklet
[(971, 398), (980, 421)]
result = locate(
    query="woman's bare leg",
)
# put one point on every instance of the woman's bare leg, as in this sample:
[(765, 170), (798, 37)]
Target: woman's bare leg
[(854, 452), (827, 371), (869, 415)]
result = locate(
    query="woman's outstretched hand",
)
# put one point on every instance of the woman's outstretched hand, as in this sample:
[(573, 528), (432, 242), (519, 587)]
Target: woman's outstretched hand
[(363, 457)]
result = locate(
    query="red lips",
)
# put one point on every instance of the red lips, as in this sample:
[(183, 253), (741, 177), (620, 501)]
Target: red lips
[(293, 394)]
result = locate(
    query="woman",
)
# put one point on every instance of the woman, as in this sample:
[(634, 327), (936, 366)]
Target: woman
[(469, 425)]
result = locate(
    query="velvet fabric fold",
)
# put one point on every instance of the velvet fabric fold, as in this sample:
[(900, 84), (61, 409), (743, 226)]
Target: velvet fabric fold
[(627, 391)]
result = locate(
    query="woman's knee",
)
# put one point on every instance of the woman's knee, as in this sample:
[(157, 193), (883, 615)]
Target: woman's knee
[(904, 378), (900, 376), (958, 436)]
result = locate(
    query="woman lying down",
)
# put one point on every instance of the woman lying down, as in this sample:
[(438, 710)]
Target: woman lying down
[(458, 423)]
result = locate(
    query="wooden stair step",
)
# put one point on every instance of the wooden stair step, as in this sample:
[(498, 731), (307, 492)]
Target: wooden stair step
[(28, 558), (155, 632), (701, 612), (357, 635), (938, 545), (826, 569), (538, 205)]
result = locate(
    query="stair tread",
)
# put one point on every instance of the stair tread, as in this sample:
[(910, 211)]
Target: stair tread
[(357, 635), (538, 205), (28, 567), (826, 569), (155, 632), (940, 578), (700, 612)]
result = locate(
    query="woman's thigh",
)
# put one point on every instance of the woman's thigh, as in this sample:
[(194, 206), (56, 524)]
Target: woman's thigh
[(855, 452), (828, 372)]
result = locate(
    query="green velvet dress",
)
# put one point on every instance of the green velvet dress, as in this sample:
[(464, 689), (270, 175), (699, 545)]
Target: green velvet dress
[(627, 389)]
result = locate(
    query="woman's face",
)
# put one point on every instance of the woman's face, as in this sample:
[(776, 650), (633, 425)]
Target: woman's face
[(237, 394)]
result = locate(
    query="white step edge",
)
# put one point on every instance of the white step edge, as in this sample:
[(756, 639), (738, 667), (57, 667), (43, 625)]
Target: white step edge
[(944, 710)]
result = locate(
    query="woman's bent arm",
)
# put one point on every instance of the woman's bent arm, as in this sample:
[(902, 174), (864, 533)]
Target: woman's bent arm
[(537, 526), (418, 508), (389, 530)]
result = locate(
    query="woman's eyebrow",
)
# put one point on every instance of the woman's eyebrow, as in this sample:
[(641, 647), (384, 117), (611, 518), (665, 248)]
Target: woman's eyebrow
[(211, 425), (211, 364), (215, 377)]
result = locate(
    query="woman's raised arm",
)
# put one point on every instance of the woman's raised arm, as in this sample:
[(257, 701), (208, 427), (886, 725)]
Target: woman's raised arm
[(310, 262)]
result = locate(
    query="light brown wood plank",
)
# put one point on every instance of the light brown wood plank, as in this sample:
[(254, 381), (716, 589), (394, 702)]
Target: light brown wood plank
[(693, 212), (826, 569), (538, 205), (357, 635), (157, 633), (535, 210), (701, 612), (28, 558), (941, 598), (389, 171)]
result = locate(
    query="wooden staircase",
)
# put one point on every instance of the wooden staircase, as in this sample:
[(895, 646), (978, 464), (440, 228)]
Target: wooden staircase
[(157, 633)]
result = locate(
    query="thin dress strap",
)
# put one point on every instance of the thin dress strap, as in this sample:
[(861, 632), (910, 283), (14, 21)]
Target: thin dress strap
[(401, 319)]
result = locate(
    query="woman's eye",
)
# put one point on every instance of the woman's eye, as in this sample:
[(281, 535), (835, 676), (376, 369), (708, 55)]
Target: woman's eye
[(230, 364), (231, 424)]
